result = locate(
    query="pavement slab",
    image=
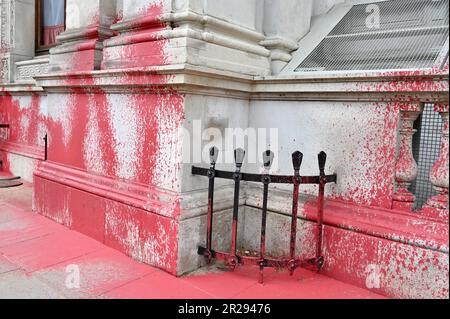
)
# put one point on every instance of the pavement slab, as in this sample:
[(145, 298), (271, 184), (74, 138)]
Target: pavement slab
[(10, 213), (19, 285), (98, 272), (23, 229), (159, 285), (50, 250), (6, 265)]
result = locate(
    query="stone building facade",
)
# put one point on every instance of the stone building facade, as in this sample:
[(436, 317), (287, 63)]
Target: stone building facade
[(123, 96)]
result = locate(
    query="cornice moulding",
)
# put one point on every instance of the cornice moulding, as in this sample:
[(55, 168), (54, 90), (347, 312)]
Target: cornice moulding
[(189, 79)]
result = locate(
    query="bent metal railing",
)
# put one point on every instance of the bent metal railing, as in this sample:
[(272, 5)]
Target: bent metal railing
[(233, 258)]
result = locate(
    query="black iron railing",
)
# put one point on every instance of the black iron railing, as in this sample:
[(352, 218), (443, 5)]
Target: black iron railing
[(232, 258)]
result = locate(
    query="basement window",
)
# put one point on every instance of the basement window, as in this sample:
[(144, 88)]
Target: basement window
[(386, 35)]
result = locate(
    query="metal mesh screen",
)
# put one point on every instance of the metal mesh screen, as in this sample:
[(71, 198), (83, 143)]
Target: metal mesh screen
[(426, 148), (410, 35)]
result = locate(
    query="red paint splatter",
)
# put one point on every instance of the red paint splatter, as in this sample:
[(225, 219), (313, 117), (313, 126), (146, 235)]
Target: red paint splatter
[(141, 44)]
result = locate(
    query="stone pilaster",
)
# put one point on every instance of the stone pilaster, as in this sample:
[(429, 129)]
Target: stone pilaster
[(81, 44), (406, 169)]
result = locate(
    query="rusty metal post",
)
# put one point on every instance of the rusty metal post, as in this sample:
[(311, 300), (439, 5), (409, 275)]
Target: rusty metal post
[(297, 158), (265, 179), (239, 155), (322, 158), (213, 155)]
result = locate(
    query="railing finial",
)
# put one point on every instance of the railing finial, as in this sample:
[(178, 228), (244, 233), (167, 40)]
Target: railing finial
[(268, 157), (297, 158), (213, 155), (239, 155)]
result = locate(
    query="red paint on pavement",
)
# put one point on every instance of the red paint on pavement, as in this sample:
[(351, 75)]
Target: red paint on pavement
[(49, 250), (105, 273), (100, 272)]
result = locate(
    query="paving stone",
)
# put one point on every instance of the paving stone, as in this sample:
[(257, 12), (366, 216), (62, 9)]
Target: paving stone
[(18, 285), (50, 250), (6, 265), (95, 273)]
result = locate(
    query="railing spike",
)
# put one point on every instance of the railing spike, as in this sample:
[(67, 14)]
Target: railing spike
[(322, 157), (268, 157), (213, 155), (239, 155), (297, 158)]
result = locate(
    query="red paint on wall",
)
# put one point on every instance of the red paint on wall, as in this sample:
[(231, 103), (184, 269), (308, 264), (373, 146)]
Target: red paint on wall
[(24, 120), (413, 229), (123, 137), (5, 165), (377, 162), (93, 119), (383, 266), (141, 45), (142, 235), (25, 134)]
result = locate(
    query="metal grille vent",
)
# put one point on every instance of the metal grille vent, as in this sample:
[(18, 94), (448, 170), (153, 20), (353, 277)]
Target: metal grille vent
[(426, 148), (411, 34)]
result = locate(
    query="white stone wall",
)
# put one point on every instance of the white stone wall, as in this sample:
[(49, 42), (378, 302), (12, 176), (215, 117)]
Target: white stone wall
[(211, 115), (352, 134)]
